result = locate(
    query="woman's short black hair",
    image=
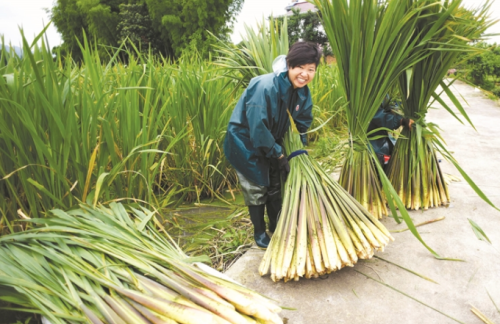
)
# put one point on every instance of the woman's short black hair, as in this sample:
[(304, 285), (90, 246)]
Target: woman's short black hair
[(303, 53)]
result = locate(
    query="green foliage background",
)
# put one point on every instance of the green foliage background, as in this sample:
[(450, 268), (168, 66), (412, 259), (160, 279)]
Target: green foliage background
[(306, 26), (168, 26), (483, 69)]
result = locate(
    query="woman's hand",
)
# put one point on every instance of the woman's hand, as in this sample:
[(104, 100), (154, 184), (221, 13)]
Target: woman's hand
[(407, 122), (284, 167)]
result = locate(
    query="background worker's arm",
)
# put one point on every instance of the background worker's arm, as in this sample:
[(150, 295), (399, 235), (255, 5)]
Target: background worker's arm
[(386, 119)]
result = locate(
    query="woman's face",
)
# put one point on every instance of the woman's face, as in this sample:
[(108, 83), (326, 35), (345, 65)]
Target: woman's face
[(301, 75)]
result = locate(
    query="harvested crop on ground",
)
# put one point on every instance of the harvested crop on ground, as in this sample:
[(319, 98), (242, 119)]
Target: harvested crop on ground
[(111, 265)]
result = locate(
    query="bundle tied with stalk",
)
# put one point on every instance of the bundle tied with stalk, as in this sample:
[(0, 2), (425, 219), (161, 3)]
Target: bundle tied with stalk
[(374, 43), (321, 227), (110, 265), (414, 170)]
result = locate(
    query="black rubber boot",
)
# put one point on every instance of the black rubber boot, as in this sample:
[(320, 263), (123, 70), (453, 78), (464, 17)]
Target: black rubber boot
[(259, 225), (273, 210)]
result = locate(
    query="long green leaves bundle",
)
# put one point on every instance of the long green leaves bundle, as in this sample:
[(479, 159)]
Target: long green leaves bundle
[(321, 227), (373, 45), (107, 265), (414, 170)]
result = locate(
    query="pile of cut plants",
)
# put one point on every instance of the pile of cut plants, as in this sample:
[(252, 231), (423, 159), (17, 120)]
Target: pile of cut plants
[(414, 169), (321, 228), (112, 265)]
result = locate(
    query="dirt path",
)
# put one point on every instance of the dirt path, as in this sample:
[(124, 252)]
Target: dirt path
[(347, 296)]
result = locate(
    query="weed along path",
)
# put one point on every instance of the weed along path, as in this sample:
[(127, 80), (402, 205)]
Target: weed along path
[(376, 291)]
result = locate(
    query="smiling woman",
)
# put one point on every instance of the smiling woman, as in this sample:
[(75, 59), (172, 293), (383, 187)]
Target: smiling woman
[(253, 143)]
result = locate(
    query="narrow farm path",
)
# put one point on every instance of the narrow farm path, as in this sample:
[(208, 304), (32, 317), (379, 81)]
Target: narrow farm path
[(348, 296)]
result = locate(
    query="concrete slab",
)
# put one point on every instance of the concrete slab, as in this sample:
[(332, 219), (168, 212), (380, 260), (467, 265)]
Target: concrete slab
[(347, 296)]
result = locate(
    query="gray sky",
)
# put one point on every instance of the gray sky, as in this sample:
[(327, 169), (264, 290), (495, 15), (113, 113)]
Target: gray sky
[(31, 16), (28, 14), (253, 11)]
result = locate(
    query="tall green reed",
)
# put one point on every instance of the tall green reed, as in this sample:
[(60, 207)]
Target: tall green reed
[(98, 131), (202, 100), (329, 99), (70, 133)]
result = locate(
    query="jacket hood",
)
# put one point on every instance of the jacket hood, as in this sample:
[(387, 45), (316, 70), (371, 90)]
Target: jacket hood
[(279, 65)]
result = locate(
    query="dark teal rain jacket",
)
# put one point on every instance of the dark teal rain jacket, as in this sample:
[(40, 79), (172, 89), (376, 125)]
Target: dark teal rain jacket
[(384, 117), (260, 120)]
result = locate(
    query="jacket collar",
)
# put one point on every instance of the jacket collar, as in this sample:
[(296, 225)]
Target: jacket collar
[(286, 87)]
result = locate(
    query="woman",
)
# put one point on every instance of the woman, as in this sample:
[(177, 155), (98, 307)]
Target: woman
[(253, 143)]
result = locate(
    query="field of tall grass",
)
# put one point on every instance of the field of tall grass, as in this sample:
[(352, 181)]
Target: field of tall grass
[(149, 131)]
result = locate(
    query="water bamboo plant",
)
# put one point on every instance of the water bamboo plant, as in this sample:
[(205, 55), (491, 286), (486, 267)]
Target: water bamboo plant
[(414, 170), (328, 99), (149, 130), (373, 44), (112, 265)]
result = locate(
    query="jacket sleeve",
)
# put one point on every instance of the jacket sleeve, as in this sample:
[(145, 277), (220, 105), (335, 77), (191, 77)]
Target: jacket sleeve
[(386, 119), (258, 113)]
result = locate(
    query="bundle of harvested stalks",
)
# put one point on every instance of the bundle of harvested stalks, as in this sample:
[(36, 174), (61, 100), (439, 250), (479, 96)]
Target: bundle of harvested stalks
[(373, 42), (414, 170), (99, 265), (321, 227)]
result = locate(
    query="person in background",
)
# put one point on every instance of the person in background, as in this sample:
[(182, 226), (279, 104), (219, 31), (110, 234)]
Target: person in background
[(386, 117), (253, 143)]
